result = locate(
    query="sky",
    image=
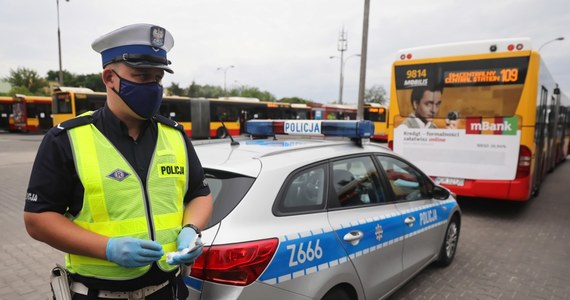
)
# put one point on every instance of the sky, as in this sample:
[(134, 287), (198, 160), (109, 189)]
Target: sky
[(280, 46)]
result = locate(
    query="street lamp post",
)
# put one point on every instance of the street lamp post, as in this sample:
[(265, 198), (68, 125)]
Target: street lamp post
[(553, 40), (225, 73), (342, 64), (364, 52), (59, 44)]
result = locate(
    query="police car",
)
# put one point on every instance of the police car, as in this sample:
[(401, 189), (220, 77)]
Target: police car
[(317, 218)]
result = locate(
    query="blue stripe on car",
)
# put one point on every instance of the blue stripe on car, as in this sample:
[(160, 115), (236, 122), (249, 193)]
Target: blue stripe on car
[(301, 254)]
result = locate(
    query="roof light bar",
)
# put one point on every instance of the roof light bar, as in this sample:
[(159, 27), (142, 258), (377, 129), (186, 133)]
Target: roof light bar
[(339, 128)]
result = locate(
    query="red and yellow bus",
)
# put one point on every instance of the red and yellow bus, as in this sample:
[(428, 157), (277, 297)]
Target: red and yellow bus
[(378, 114), (202, 118), (333, 112), (6, 118), (501, 122), (70, 102), (31, 113)]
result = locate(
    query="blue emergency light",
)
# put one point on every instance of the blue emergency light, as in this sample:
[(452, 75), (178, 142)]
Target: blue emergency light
[(339, 128)]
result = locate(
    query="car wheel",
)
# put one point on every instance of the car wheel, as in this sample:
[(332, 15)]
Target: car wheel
[(221, 133), (449, 246), (337, 294)]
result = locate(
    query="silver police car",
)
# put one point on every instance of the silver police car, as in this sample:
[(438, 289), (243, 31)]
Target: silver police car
[(317, 218)]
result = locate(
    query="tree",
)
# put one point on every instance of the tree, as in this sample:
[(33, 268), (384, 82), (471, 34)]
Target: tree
[(253, 92), (294, 100), (209, 91), (68, 78), (19, 90), (27, 78), (175, 90), (91, 81), (375, 94), (193, 89)]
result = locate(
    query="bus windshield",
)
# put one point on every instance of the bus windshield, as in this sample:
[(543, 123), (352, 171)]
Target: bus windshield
[(469, 88)]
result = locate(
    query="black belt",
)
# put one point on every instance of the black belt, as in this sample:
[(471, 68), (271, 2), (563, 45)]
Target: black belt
[(80, 288)]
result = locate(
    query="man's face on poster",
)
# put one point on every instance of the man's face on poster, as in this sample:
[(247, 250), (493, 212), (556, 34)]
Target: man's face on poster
[(428, 106)]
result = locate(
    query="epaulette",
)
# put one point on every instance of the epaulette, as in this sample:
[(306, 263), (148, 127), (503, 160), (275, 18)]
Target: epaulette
[(72, 123), (166, 121)]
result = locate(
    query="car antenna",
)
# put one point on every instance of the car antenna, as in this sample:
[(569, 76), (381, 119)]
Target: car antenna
[(233, 143)]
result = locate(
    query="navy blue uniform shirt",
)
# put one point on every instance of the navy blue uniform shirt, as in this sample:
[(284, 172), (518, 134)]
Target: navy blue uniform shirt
[(55, 186)]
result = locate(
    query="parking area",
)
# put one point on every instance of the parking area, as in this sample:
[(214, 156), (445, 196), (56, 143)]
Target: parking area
[(506, 250)]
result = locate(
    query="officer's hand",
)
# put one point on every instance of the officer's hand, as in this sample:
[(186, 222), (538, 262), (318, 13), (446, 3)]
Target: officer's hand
[(186, 240), (130, 252)]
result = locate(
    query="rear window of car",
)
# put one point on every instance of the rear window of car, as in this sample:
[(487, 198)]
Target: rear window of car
[(227, 190), (304, 191)]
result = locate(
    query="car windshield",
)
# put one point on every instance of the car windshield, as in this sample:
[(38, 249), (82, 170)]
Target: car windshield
[(227, 190)]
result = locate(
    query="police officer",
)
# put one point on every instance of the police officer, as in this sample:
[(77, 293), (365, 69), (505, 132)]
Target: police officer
[(118, 188)]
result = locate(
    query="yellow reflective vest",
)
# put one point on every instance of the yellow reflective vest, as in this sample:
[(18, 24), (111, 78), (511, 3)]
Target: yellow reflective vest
[(115, 203)]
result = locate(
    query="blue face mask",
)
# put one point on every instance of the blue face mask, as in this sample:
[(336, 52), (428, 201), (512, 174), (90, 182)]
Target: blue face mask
[(143, 98)]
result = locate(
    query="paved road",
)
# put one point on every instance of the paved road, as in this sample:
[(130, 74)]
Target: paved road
[(506, 250)]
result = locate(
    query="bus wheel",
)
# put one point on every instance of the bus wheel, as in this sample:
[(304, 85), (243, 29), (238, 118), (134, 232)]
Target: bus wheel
[(221, 133), (535, 190)]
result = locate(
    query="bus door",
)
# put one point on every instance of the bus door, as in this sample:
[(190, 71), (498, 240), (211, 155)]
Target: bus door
[(540, 136), (552, 126), (5, 112), (43, 111)]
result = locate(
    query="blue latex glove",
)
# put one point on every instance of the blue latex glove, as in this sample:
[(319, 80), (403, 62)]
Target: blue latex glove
[(186, 239), (130, 252)]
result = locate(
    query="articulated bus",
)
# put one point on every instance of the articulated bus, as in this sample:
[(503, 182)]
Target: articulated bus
[(333, 112), (378, 114), (69, 103), (374, 112), (31, 113), (501, 122), (201, 117), (6, 118)]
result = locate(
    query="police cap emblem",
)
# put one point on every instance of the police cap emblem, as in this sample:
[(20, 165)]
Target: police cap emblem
[(157, 36)]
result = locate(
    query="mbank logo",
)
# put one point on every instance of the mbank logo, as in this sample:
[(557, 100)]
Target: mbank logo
[(497, 125)]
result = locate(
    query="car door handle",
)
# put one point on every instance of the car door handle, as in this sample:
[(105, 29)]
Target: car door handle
[(410, 221), (353, 237)]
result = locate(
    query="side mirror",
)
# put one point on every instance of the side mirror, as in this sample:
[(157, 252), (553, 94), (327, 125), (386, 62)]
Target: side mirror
[(440, 193)]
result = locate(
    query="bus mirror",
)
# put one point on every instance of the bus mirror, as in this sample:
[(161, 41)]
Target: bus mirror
[(440, 193)]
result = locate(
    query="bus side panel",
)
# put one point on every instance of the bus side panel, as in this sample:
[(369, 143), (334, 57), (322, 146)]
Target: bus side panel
[(515, 190), (520, 189), (380, 131)]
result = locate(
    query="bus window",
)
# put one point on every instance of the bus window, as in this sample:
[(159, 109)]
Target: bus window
[(482, 88), (62, 103)]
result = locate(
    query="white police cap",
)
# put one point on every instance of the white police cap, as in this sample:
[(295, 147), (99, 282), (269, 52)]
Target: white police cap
[(137, 45)]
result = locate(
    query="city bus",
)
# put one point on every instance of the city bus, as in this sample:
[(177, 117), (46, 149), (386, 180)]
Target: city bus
[(501, 121), (202, 118), (70, 102), (31, 113), (378, 114), (6, 119), (333, 112)]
